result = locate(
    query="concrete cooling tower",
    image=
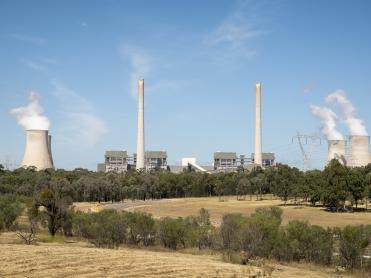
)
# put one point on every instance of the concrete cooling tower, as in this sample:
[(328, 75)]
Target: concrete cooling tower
[(336, 150), (358, 152), (38, 150)]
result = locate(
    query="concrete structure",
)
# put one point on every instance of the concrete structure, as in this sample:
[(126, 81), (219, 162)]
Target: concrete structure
[(336, 150), (116, 161), (267, 159), (258, 126), (140, 161), (38, 150), (101, 167), (156, 160), (188, 160), (358, 152), (50, 149), (225, 160)]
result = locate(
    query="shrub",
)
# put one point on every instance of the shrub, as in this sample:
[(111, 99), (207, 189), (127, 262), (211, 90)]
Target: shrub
[(141, 228), (10, 209), (109, 229), (230, 230), (310, 243), (353, 242), (172, 232)]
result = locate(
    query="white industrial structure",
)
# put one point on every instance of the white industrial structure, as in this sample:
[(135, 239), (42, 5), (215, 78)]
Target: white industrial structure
[(336, 150), (38, 150), (358, 152), (258, 126), (140, 159)]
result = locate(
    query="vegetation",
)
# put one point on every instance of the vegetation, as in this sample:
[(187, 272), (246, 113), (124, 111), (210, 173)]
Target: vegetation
[(336, 187), (50, 195)]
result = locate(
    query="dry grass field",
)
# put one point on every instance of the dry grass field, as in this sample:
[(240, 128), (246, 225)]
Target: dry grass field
[(191, 206), (79, 260)]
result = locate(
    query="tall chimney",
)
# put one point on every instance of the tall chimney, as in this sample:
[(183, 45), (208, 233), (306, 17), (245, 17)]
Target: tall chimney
[(258, 127), (37, 153), (140, 132)]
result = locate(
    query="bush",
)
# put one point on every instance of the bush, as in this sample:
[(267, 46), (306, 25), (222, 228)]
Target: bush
[(310, 243), (141, 228), (10, 210), (230, 230), (172, 232), (353, 242)]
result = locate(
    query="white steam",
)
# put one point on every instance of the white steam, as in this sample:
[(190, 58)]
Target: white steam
[(328, 121), (354, 124), (30, 116)]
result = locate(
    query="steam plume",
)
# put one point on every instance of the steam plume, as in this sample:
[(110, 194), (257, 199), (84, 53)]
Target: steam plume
[(355, 125), (328, 120), (30, 116)]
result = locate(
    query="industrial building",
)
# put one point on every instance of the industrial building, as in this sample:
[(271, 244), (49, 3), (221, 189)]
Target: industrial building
[(154, 160), (225, 160), (116, 161), (267, 159), (119, 161)]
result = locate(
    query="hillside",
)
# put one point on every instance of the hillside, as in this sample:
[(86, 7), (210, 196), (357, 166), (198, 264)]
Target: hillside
[(77, 260)]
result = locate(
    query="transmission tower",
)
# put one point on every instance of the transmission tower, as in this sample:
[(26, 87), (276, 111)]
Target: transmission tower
[(310, 141)]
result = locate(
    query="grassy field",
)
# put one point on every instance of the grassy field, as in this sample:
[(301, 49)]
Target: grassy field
[(79, 260), (191, 206)]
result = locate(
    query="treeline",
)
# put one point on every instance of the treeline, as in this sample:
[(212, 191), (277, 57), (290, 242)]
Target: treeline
[(336, 187)]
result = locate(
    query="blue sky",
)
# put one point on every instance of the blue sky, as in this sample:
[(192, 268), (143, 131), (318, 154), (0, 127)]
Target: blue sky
[(200, 61)]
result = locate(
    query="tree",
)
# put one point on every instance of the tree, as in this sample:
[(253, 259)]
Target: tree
[(242, 188), (314, 184), (336, 185), (55, 211), (367, 188), (284, 182), (356, 185)]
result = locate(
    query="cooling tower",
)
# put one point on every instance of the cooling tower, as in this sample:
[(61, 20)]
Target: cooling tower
[(140, 131), (358, 152), (38, 150), (258, 127), (50, 149), (336, 150)]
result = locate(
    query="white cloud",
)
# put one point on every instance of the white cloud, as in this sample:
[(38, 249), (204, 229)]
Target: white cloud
[(28, 38), (235, 35), (81, 127), (35, 65)]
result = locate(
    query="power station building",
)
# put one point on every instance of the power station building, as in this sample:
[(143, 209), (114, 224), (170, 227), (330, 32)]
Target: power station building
[(119, 161), (116, 161), (154, 160), (267, 159), (225, 160)]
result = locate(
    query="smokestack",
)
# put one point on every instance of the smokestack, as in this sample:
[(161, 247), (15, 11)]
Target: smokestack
[(258, 127), (140, 131), (336, 150), (358, 154), (38, 151)]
